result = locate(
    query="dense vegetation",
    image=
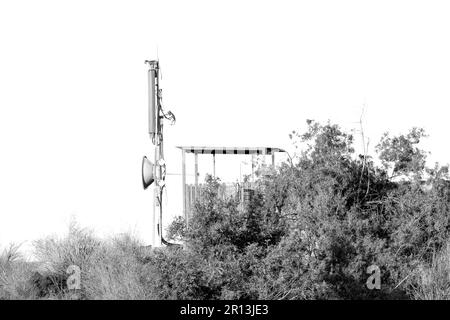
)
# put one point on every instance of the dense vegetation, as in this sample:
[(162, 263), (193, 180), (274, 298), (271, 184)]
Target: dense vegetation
[(316, 224), (311, 230)]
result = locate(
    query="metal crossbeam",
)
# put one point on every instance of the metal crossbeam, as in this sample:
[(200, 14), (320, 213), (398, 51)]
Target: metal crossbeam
[(230, 150)]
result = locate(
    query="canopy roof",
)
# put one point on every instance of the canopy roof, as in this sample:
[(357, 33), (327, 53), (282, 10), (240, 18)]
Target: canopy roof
[(230, 150)]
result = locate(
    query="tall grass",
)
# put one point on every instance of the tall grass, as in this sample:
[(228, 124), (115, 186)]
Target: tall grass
[(433, 280), (14, 275), (112, 268), (115, 272)]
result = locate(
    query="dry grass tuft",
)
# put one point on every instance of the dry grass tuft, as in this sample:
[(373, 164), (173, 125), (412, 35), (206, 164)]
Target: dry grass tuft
[(14, 275), (110, 269), (433, 280)]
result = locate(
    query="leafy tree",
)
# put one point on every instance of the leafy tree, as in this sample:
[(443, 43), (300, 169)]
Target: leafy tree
[(402, 155)]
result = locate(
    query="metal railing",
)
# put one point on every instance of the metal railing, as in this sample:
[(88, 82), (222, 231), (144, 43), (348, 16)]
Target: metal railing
[(241, 192)]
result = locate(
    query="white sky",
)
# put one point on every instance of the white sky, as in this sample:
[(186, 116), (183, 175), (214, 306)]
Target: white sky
[(73, 99)]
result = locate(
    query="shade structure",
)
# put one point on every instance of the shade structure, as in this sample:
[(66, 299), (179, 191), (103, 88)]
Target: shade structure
[(230, 150), (196, 150)]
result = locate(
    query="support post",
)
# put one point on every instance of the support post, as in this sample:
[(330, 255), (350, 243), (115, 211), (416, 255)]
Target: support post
[(183, 179), (253, 167), (196, 175), (156, 206), (214, 165), (273, 159), (155, 200)]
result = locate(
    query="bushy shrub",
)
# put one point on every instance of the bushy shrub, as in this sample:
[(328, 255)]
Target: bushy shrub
[(174, 273), (319, 222)]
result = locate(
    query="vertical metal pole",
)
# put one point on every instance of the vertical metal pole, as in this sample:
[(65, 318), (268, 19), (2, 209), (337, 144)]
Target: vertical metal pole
[(160, 190), (196, 171), (253, 167), (159, 155), (214, 165), (196, 178), (273, 159), (240, 171), (156, 213), (183, 178), (154, 223)]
